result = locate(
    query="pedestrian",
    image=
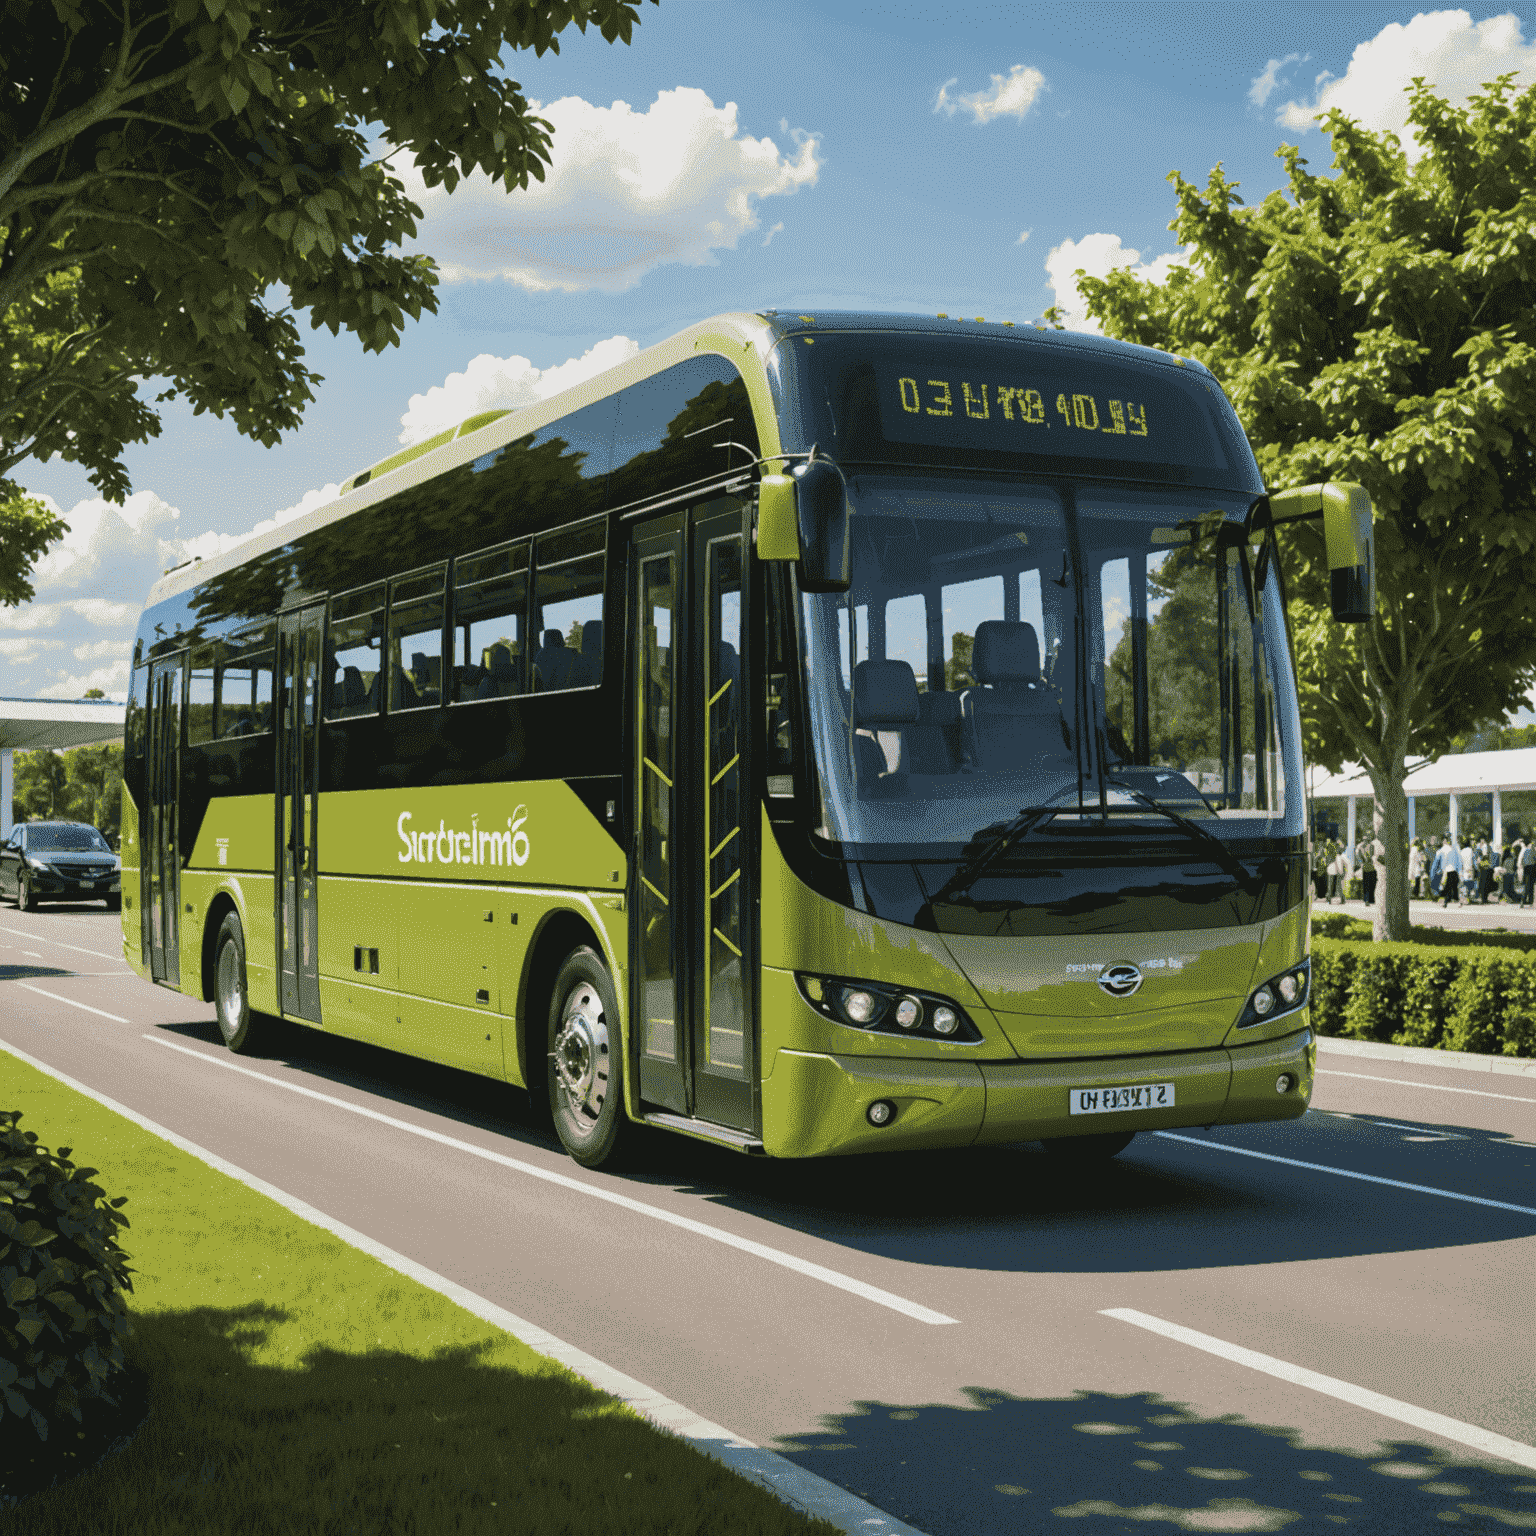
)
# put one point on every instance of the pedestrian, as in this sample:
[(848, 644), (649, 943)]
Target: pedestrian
[(1507, 875), (1468, 872), (1416, 868), (1484, 870), (1320, 868), (1365, 856), (1335, 869), (1528, 869), (1449, 861)]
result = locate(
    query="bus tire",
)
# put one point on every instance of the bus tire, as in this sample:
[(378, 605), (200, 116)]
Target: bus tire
[(238, 1024), (585, 1072), (1089, 1149)]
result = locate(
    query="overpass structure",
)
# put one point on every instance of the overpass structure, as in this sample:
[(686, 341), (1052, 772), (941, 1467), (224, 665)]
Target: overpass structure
[(29, 724)]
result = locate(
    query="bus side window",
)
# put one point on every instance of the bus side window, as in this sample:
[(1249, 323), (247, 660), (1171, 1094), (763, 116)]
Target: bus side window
[(353, 652), (200, 696), (245, 684), (490, 612), (415, 650), (567, 630)]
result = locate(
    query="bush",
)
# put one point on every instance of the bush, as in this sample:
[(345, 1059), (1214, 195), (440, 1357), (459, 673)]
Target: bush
[(62, 1277), (1354, 888), (1457, 998)]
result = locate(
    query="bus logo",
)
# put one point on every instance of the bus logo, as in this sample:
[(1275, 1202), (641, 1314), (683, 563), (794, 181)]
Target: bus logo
[(1120, 980)]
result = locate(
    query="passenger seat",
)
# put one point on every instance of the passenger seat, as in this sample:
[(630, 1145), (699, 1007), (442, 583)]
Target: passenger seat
[(1012, 718), (885, 707)]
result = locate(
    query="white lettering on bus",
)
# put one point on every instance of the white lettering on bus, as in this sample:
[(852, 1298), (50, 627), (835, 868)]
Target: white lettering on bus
[(448, 845)]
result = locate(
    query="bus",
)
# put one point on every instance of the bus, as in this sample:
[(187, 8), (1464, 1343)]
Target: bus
[(821, 733)]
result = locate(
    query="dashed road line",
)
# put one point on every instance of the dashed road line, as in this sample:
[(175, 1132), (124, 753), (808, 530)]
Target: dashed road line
[(1470, 1435), (800, 1266), (1348, 1173), (86, 1007)]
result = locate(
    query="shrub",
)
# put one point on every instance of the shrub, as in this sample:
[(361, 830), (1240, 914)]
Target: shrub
[(1462, 998), (1354, 888), (63, 1318)]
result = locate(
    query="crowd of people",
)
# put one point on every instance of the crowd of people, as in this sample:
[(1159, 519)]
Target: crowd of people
[(1450, 869)]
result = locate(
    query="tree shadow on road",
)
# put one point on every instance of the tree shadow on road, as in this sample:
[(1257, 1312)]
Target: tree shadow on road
[(1101, 1462)]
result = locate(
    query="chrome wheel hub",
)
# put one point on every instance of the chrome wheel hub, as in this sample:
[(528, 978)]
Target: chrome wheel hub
[(581, 1052), (229, 990)]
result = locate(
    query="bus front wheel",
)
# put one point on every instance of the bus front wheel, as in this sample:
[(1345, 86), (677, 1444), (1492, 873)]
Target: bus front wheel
[(1089, 1149), (231, 996), (586, 1078)]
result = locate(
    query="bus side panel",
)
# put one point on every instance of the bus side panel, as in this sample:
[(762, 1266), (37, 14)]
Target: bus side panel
[(252, 898), (133, 923)]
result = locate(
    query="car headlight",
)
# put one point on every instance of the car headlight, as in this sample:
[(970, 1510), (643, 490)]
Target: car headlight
[(35, 863), (877, 1008), (1279, 995)]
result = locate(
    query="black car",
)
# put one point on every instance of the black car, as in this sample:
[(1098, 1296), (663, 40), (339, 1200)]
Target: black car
[(59, 861)]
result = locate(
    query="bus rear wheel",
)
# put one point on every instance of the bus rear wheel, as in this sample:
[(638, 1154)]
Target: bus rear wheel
[(1089, 1149), (586, 1078), (238, 1024)]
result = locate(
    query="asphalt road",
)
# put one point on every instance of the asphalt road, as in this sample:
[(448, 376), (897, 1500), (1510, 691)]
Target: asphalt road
[(934, 1332)]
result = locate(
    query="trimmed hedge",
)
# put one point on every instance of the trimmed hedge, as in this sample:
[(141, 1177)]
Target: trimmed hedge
[(1341, 925), (1452, 997)]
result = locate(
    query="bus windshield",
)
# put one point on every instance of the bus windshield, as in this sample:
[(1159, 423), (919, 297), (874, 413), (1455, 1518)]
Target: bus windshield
[(1052, 646)]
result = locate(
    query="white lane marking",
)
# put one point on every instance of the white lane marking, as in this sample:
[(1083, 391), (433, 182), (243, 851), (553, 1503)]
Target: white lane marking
[(1349, 1173), (759, 1250), (86, 1007), (31, 954), (815, 1495), (1362, 1397), (41, 938), (1402, 1082), (1421, 1132)]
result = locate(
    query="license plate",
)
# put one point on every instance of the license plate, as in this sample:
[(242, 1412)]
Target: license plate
[(1106, 1101)]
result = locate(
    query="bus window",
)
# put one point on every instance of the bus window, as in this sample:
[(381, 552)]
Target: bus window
[(416, 639), (567, 626), (352, 653), (245, 684), (490, 608), (906, 635), (200, 696), (968, 604), (852, 654)]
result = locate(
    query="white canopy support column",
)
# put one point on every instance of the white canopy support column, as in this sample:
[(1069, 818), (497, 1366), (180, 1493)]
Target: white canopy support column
[(1498, 818), (1413, 818), (6, 791), (1349, 840), (1455, 821)]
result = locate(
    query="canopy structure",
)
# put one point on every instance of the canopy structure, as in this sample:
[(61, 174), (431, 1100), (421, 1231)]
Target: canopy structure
[(1467, 773), (27, 724)]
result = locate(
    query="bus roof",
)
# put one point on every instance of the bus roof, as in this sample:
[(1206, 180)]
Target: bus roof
[(730, 335)]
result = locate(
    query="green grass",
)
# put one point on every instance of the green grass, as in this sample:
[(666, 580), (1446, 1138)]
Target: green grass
[(297, 1385)]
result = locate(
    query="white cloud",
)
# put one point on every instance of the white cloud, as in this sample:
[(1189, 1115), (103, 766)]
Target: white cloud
[(95, 650), (1011, 95), (1023, 237), (625, 192), (772, 232), (1263, 86), (490, 383), (112, 679), (1097, 255), (1455, 55), (22, 651), (100, 531)]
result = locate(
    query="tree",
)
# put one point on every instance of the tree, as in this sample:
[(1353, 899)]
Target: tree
[(39, 786), (1379, 326), (94, 785), (180, 180)]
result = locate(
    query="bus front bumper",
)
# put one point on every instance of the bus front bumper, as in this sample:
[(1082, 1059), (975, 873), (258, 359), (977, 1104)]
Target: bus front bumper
[(817, 1105)]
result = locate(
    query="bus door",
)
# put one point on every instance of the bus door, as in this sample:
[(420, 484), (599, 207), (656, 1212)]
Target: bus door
[(160, 870), (694, 931), (298, 810)]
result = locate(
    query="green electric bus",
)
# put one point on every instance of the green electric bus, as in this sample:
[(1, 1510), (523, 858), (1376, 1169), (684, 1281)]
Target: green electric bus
[(818, 734)]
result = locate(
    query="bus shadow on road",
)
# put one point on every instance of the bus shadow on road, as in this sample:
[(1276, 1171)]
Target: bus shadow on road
[(1108, 1462), (1007, 1208)]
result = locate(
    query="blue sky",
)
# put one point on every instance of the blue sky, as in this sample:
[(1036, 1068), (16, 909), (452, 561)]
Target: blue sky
[(897, 157)]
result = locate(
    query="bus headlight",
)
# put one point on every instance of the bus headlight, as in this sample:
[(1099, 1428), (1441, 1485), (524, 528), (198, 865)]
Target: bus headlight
[(878, 1008), (1279, 995)]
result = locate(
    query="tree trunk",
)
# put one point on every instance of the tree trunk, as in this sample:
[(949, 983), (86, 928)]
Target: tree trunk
[(1390, 920)]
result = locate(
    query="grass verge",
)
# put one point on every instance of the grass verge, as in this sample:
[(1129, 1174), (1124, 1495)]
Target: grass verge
[(297, 1385), (1344, 925)]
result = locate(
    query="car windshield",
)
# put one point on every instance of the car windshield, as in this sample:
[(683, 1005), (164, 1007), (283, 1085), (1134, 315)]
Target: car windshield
[(65, 840), (1011, 646)]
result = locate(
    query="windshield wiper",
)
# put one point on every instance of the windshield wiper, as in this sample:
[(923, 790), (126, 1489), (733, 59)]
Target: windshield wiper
[(971, 869), (1223, 855)]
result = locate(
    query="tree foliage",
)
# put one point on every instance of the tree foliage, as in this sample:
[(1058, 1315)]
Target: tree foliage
[(81, 784), (181, 179), (1379, 325), (27, 528)]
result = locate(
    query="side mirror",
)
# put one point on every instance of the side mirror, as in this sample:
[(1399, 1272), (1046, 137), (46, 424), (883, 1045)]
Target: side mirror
[(1349, 537), (804, 516)]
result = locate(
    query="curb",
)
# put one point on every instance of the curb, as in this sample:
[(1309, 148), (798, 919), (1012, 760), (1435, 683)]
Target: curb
[(1426, 1056)]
